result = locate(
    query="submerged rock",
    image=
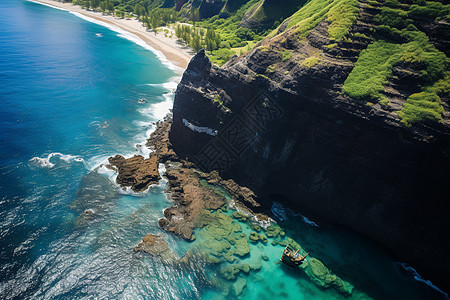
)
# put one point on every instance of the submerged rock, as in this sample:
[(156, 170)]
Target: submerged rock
[(155, 245), (240, 216), (255, 227), (273, 231), (255, 238), (221, 236), (239, 286), (231, 272), (322, 276)]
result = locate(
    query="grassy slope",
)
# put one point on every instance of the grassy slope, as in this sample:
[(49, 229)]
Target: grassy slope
[(340, 13), (399, 42)]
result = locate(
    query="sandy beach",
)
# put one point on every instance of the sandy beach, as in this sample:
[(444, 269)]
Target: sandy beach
[(174, 50)]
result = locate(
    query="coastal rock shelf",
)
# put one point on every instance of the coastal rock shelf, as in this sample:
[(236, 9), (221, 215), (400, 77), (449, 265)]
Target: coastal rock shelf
[(236, 242), (135, 172)]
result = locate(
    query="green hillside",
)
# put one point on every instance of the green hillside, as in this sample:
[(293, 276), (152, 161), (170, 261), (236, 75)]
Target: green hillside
[(397, 35)]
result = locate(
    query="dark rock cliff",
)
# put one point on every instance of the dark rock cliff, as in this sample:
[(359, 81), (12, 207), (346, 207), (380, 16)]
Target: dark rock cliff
[(291, 135)]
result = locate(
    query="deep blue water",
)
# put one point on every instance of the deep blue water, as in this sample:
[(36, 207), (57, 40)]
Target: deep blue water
[(69, 93)]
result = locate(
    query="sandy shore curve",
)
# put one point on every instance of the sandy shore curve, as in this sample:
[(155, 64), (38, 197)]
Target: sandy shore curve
[(173, 49)]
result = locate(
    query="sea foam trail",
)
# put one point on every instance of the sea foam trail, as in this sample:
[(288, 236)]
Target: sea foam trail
[(44, 162), (155, 111)]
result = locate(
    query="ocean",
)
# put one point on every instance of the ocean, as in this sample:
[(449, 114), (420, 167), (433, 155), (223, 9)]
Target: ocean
[(69, 91)]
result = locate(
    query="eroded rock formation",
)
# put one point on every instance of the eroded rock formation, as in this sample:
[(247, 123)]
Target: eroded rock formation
[(136, 172)]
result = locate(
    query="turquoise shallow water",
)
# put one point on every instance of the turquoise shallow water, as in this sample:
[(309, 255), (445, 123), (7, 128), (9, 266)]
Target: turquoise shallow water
[(69, 91)]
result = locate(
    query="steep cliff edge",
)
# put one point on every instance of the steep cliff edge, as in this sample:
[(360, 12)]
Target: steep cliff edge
[(280, 121)]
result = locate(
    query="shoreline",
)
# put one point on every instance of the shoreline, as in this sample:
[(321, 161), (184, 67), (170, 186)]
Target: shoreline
[(172, 50)]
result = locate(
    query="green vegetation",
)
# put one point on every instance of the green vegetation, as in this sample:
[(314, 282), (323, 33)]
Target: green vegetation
[(286, 55), (232, 39), (342, 16), (372, 70), (426, 105), (218, 99), (393, 17), (196, 37), (340, 13), (421, 106), (399, 43), (374, 67), (429, 9), (309, 61)]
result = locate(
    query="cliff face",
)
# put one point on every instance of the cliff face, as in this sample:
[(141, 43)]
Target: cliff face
[(280, 125)]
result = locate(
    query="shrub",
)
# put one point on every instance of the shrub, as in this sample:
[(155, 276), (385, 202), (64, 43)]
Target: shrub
[(393, 17), (310, 61), (420, 50), (245, 34), (340, 13), (225, 44), (420, 107), (431, 10), (393, 34), (392, 3), (286, 55)]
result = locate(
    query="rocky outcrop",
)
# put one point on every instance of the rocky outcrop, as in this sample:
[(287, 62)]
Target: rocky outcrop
[(155, 245), (136, 172), (286, 131), (209, 8), (191, 198), (192, 190)]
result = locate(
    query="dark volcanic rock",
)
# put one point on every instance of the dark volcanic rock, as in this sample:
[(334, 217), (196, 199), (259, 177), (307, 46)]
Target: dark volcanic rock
[(137, 172), (289, 134)]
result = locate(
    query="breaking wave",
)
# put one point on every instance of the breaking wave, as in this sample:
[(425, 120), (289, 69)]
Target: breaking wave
[(44, 162)]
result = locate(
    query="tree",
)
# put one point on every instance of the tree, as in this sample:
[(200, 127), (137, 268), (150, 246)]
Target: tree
[(95, 3), (196, 42), (211, 40)]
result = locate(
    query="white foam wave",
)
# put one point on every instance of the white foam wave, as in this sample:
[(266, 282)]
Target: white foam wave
[(110, 174), (142, 149), (170, 85), (44, 162), (99, 124), (263, 223), (411, 271)]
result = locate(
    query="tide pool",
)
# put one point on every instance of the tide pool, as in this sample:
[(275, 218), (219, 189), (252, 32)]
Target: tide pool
[(69, 92)]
